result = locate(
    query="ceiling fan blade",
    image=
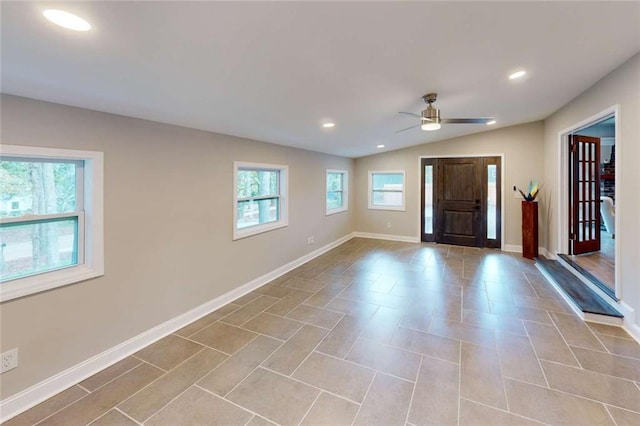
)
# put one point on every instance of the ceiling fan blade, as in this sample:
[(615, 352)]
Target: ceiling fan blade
[(402, 130), (415, 115), (479, 120)]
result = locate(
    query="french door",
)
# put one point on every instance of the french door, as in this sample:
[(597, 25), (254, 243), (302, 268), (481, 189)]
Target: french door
[(584, 194), (461, 201)]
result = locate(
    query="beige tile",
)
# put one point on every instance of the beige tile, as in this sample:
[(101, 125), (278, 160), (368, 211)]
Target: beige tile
[(247, 298), (417, 320), (383, 325), (148, 401), (224, 337), (306, 284), (607, 389), (427, 344), (260, 421), (613, 365), (289, 302), (104, 399), (315, 316), (250, 310), (273, 325), (549, 344), (493, 321), (334, 375), (511, 310), (287, 406), (198, 407), (517, 358), (206, 320), (386, 403), (289, 356), (576, 332), (474, 414), (553, 407), (480, 377), (168, 352), (618, 346), (109, 373), (273, 290), (546, 304), (465, 332), (322, 297), (624, 417), (609, 330), (385, 358), (331, 410), (340, 340), (114, 418), (352, 307), (436, 394), (475, 299), (224, 378), (48, 407)]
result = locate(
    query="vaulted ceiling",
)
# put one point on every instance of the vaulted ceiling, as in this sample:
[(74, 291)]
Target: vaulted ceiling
[(276, 71)]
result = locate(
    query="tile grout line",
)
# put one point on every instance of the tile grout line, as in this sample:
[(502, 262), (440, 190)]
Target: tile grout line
[(459, 379), (535, 353), (169, 402), (364, 398), (116, 377), (126, 415), (230, 402), (503, 411), (57, 411), (413, 391), (309, 409), (606, 408)]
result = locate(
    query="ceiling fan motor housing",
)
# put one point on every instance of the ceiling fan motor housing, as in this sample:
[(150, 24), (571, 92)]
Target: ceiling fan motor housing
[(432, 114)]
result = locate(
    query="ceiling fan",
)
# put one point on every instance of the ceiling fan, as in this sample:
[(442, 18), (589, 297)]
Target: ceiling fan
[(431, 120)]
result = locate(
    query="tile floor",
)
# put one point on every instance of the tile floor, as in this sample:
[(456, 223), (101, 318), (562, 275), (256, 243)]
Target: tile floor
[(379, 333)]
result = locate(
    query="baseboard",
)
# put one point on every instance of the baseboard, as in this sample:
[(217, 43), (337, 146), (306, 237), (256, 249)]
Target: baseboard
[(388, 237), (22, 401), (515, 248)]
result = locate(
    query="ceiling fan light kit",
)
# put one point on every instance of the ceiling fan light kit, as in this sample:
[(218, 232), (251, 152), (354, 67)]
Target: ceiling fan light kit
[(431, 120)]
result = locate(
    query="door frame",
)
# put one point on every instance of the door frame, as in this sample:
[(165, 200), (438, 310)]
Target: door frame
[(502, 188), (563, 182)]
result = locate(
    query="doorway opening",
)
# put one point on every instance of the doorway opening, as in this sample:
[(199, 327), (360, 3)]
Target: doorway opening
[(588, 154), (461, 201)]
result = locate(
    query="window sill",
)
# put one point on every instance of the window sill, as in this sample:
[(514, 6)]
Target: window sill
[(239, 234), (334, 211), (46, 281), (392, 208)]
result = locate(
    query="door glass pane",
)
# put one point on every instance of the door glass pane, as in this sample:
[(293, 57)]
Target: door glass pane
[(428, 199), (492, 200), (32, 248)]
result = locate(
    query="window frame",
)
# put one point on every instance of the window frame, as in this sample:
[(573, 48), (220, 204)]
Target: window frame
[(372, 206), (344, 191), (90, 222), (283, 199)]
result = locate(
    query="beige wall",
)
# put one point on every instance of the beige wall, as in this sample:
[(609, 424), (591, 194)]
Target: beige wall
[(523, 159), (168, 228), (621, 87)]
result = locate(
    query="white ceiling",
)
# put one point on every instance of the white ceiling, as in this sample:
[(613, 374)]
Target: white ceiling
[(275, 71)]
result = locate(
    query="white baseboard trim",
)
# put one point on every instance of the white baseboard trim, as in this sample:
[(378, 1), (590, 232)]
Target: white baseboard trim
[(515, 248), (22, 401), (388, 237)]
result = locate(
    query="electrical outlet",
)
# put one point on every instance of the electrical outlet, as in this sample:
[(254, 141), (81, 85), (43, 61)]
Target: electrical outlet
[(9, 360), (310, 240)]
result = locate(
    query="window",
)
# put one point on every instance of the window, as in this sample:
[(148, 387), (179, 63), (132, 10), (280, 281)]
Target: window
[(260, 198), (337, 191), (386, 190), (50, 219)]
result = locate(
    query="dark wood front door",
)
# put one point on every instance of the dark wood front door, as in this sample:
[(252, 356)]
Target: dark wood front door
[(584, 194), (461, 200)]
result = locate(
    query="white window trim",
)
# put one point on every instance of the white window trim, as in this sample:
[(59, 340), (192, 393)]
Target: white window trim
[(372, 206), (345, 192), (284, 200), (93, 251)]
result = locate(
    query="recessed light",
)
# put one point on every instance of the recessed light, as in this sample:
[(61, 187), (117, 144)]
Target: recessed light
[(380, 146), (517, 74), (328, 125), (490, 122), (66, 20)]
